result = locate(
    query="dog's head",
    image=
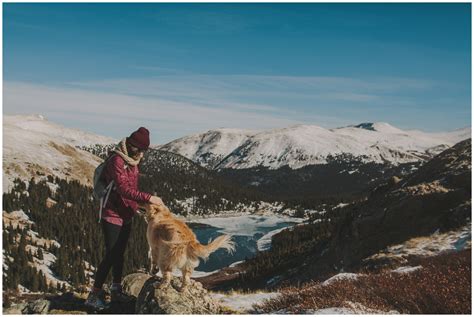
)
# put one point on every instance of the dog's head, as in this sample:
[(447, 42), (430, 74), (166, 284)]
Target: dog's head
[(154, 211)]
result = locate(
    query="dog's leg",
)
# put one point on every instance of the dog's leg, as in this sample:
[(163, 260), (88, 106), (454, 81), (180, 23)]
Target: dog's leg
[(153, 261), (166, 279), (150, 257), (186, 279)]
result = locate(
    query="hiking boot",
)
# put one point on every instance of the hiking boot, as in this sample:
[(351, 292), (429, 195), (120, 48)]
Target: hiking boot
[(118, 296), (96, 300)]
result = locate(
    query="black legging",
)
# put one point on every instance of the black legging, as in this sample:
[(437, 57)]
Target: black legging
[(116, 238)]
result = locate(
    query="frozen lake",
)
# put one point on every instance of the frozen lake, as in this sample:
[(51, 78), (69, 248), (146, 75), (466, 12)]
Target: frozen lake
[(250, 233)]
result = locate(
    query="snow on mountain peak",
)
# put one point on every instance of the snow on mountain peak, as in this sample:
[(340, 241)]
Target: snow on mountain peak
[(40, 126), (301, 145), (366, 125), (378, 126), (34, 146), (209, 147)]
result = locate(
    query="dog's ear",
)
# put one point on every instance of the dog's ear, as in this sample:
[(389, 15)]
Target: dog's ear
[(165, 210)]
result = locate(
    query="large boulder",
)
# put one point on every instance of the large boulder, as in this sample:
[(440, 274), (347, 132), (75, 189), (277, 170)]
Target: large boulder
[(151, 299), (37, 307)]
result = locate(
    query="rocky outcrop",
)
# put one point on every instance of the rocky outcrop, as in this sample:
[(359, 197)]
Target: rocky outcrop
[(146, 298), (37, 307), (151, 299)]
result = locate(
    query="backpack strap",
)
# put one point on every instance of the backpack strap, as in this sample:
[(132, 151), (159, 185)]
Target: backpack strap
[(108, 189), (103, 200)]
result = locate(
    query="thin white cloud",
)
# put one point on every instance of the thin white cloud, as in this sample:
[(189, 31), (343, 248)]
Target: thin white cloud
[(115, 113), (215, 86), (180, 104)]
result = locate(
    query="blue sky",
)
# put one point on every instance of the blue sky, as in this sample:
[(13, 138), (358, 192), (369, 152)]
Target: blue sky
[(185, 68)]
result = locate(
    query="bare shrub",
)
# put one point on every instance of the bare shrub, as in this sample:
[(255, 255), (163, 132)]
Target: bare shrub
[(441, 286)]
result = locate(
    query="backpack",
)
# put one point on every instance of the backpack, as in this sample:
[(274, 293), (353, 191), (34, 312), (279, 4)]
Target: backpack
[(101, 188)]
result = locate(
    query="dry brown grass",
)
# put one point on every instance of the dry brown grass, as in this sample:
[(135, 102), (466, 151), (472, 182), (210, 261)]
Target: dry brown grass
[(77, 167), (442, 286)]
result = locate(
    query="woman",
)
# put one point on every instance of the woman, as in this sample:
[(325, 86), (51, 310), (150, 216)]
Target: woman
[(122, 205)]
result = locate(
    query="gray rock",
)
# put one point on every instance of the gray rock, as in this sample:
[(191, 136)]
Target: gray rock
[(37, 307), (15, 309), (132, 284), (153, 300)]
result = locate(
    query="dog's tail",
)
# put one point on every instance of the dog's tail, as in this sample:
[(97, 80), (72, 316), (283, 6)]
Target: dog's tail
[(203, 251)]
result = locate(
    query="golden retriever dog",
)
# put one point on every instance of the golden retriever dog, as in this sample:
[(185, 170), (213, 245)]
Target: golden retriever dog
[(174, 245)]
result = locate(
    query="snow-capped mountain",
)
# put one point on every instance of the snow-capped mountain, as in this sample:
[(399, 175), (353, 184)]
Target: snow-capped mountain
[(303, 145), (34, 146), (209, 148)]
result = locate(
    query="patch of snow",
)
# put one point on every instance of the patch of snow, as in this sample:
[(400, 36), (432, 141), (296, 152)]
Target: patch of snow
[(243, 302), (330, 311), (274, 280), (52, 187), (341, 276), (23, 290), (434, 244), (236, 263), (265, 242), (350, 308), (45, 265), (17, 218), (312, 211), (340, 205), (89, 269), (407, 269), (5, 266)]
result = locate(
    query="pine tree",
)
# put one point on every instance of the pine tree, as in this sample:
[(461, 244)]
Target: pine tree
[(29, 256), (39, 254)]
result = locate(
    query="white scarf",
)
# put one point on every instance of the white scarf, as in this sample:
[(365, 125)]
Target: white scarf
[(121, 150)]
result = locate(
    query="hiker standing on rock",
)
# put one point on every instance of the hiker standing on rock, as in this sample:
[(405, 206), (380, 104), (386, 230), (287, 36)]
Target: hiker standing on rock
[(116, 220)]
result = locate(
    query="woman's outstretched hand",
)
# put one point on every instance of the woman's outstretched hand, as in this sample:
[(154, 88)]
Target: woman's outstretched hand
[(155, 200)]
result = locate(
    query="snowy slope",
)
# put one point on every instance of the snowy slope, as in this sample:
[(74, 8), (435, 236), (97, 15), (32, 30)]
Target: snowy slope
[(20, 219), (33, 146), (210, 147), (302, 145)]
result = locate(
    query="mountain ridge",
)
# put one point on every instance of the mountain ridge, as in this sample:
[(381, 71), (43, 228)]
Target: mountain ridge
[(301, 145)]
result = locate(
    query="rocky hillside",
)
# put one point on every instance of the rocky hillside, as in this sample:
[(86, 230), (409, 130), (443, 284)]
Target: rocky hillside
[(337, 181), (435, 198)]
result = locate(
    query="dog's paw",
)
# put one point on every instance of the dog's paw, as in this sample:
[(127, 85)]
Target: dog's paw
[(184, 289)]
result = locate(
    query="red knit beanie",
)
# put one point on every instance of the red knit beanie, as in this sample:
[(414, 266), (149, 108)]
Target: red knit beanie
[(140, 138)]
